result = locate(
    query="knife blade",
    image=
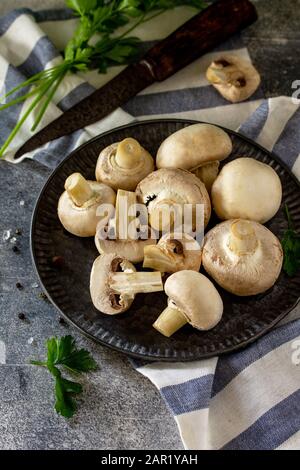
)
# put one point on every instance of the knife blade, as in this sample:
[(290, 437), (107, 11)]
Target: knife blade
[(197, 36)]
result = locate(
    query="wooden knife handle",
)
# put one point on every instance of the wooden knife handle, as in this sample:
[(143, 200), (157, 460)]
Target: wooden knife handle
[(200, 34)]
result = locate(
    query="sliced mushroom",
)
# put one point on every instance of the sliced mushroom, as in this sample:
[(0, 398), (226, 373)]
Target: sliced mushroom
[(247, 189), (235, 79), (243, 256), (174, 252), (114, 283), (197, 148), (192, 299), (77, 206), (124, 164), (168, 190)]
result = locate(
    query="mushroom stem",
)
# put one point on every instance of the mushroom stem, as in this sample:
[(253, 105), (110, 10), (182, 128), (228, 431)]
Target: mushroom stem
[(128, 153), (125, 214), (78, 189), (169, 321), (215, 75), (242, 239), (155, 258), (135, 283)]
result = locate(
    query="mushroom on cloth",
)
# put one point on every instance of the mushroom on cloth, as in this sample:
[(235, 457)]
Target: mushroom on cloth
[(242, 256), (236, 79), (247, 189), (169, 189), (174, 252), (124, 164), (192, 299), (114, 283), (77, 206), (198, 148)]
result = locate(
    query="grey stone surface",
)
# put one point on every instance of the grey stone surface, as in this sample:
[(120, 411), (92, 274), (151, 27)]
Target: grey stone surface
[(120, 409)]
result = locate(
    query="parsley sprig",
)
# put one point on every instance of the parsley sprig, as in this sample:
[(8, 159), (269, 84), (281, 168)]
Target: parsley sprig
[(63, 354), (291, 247), (95, 44)]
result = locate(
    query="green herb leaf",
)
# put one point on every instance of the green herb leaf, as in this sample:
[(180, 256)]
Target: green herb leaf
[(102, 17), (64, 389), (62, 352), (81, 6), (291, 247)]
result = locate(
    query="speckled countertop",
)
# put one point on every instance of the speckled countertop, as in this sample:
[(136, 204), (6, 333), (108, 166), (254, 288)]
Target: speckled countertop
[(121, 409)]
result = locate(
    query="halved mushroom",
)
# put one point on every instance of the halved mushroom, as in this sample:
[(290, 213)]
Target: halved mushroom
[(192, 299), (174, 252), (247, 189), (197, 148), (242, 256), (124, 164), (114, 283), (235, 79), (78, 204), (165, 193)]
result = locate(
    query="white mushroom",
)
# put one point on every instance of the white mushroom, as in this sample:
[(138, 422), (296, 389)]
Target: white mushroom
[(166, 191), (114, 283), (128, 241), (247, 189), (235, 79), (124, 164), (242, 256), (197, 148), (77, 206), (174, 252), (192, 299), (132, 250)]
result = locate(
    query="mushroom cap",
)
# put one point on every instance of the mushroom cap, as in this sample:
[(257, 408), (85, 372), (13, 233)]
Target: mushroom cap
[(247, 189), (108, 172), (196, 297), (103, 297), (82, 221), (243, 78), (132, 250), (176, 185), (246, 274), (193, 146), (177, 251)]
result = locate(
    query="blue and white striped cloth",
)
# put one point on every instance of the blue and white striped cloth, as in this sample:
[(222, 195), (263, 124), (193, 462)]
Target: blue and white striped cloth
[(246, 400)]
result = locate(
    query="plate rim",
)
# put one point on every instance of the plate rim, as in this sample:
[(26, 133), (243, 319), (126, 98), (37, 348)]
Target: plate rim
[(146, 356)]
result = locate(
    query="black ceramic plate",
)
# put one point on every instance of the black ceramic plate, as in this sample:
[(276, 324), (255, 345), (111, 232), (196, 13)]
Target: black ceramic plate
[(244, 319)]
